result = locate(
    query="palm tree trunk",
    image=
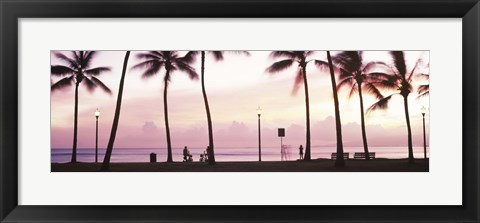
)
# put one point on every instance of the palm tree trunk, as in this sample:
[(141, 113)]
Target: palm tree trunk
[(339, 161), (362, 118), (116, 118), (75, 125), (307, 108), (407, 117), (211, 154), (167, 127)]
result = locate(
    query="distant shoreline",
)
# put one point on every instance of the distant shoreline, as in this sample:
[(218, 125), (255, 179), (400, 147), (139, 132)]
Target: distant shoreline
[(317, 165)]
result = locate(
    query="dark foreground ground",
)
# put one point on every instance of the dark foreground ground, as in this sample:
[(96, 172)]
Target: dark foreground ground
[(319, 165)]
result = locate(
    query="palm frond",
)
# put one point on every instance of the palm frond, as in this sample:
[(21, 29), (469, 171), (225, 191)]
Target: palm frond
[(71, 62), (300, 54), (152, 55), (423, 90), (373, 64), (424, 94), (77, 56), (244, 52), (345, 74), (217, 55), (298, 81), (409, 78), (321, 64), (88, 57), (190, 57), (380, 76), (100, 84), (424, 75), (169, 54), (353, 89), (89, 84), (342, 64), (381, 104), (399, 62), (187, 69), (153, 69), (97, 71), (62, 83), (159, 54), (59, 70), (146, 64), (348, 60), (279, 66), (371, 89), (288, 54), (348, 81)]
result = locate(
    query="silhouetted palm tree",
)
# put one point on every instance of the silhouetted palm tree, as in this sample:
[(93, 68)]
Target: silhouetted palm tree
[(76, 71), (338, 124), (354, 73), (218, 56), (153, 62), (399, 80), (113, 133), (290, 58)]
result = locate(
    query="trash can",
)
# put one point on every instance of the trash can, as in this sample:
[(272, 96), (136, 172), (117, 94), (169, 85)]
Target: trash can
[(153, 158)]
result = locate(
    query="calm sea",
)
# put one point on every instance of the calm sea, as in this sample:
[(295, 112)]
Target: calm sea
[(63, 155)]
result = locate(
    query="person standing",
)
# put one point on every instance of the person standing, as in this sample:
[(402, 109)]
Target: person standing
[(300, 151)]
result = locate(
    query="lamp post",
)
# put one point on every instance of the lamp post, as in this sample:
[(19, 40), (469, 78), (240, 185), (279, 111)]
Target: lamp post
[(424, 110), (97, 114), (259, 113)]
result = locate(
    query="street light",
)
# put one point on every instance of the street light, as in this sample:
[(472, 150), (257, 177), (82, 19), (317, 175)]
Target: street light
[(424, 110), (259, 113), (97, 114)]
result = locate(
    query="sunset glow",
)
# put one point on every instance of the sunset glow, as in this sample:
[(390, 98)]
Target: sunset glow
[(235, 87)]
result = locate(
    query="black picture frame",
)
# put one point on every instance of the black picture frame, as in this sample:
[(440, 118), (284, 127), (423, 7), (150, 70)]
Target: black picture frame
[(12, 10)]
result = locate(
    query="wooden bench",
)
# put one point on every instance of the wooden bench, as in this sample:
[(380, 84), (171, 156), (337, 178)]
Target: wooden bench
[(345, 156), (362, 155)]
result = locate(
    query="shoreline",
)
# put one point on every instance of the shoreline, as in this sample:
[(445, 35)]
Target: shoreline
[(317, 165)]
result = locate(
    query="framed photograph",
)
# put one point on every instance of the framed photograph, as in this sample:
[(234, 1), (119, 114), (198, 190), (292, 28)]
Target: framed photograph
[(166, 111)]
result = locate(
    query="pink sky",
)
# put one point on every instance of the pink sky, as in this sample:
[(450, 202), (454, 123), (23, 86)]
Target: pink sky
[(235, 87)]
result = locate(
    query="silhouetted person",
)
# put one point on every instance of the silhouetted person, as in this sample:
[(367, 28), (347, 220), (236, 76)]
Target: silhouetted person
[(300, 151), (204, 156), (209, 152), (186, 155)]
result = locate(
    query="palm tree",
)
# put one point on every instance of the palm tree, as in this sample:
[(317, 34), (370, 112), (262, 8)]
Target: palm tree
[(76, 71), (153, 62), (217, 56), (339, 160), (113, 133), (354, 73), (399, 80), (290, 58)]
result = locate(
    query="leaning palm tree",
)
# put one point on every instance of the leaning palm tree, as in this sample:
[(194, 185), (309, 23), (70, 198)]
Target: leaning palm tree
[(153, 62), (113, 133), (355, 74), (217, 56), (339, 161), (76, 71), (300, 58), (399, 80)]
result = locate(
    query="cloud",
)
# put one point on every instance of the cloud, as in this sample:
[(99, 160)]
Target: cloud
[(149, 127)]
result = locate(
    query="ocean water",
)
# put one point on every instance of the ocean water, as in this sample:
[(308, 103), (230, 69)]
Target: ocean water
[(63, 155)]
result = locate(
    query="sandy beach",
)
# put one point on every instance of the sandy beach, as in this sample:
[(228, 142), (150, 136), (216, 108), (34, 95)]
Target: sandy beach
[(318, 165)]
